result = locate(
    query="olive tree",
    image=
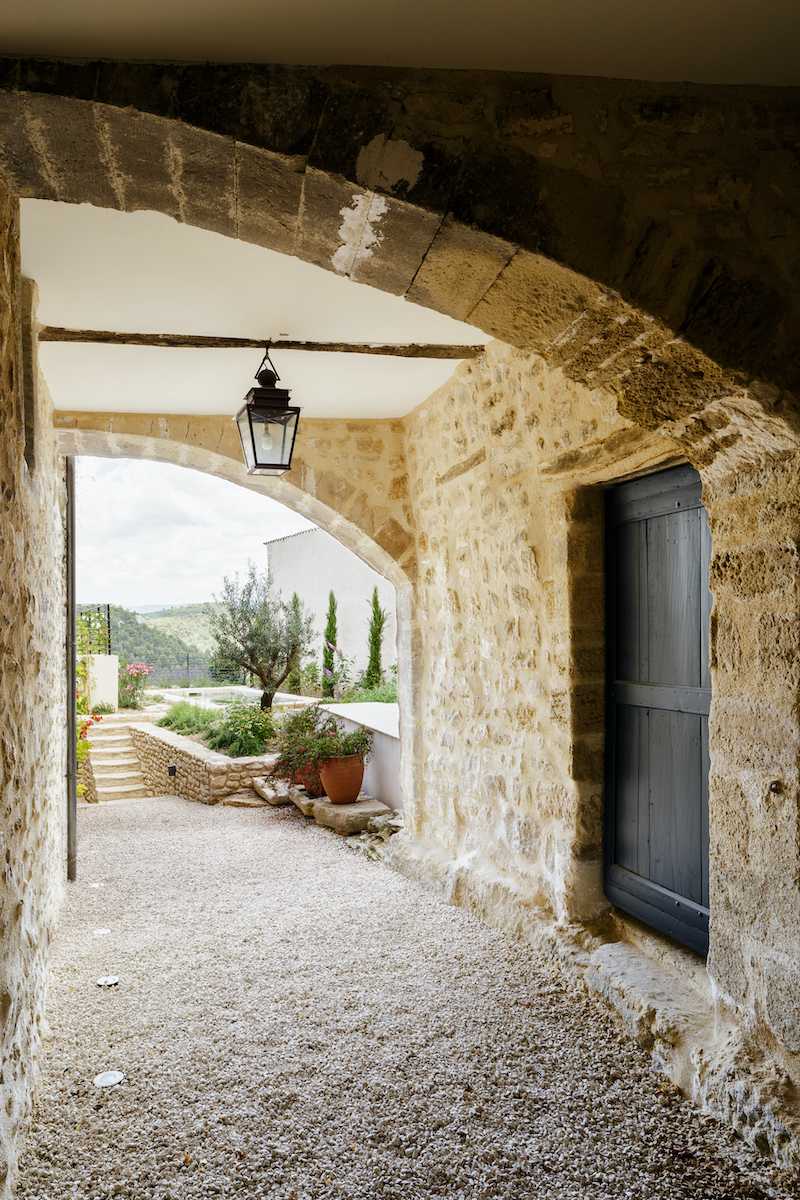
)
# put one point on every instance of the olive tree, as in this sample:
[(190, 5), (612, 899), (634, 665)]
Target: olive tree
[(254, 627)]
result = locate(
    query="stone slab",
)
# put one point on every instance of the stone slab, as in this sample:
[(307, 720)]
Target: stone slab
[(348, 818), (246, 799), (277, 794), (305, 803)]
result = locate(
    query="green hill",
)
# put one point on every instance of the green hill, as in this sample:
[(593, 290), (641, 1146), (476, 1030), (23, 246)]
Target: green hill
[(173, 659), (188, 622)]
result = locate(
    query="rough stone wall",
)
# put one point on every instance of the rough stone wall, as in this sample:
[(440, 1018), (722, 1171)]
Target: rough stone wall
[(509, 604), (505, 810), (754, 736), (86, 780), (201, 774), (32, 707)]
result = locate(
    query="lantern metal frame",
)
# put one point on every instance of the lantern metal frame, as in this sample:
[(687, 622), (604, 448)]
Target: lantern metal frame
[(268, 404)]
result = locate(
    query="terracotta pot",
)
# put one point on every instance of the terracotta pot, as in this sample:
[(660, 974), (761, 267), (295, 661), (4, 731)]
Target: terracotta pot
[(342, 778), (308, 777)]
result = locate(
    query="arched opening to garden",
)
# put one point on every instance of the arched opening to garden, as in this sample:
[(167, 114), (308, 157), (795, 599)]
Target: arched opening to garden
[(630, 339)]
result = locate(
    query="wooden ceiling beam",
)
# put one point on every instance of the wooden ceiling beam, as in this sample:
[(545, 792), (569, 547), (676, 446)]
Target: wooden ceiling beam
[(192, 341)]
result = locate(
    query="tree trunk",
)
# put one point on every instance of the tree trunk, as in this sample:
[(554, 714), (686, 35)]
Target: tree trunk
[(267, 698)]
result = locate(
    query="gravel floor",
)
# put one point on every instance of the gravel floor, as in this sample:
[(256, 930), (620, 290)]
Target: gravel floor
[(296, 1022)]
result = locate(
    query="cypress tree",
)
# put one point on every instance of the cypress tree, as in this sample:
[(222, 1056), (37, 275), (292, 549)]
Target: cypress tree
[(329, 647), (373, 675), (294, 681)]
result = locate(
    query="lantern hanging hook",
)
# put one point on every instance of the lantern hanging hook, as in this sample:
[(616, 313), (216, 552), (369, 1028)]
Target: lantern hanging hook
[(267, 366)]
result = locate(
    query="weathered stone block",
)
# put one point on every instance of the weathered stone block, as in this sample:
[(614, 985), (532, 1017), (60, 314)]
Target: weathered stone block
[(269, 191), (459, 268), (348, 818)]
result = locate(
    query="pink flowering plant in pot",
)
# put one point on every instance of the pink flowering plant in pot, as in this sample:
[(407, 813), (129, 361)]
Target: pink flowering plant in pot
[(132, 679)]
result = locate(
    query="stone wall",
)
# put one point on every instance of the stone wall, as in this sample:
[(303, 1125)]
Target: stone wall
[(86, 781), (201, 774), (755, 746), (510, 623), (505, 465), (33, 717)]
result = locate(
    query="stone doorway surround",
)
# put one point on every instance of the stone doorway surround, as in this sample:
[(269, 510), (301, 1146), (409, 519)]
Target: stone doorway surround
[(633, 335)]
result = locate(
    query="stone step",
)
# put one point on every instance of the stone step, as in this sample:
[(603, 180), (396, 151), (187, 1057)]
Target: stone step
[(126, 791), (347, 819), (112, 775), (276, 792), (107, 758), (243, 799), (117, 738)]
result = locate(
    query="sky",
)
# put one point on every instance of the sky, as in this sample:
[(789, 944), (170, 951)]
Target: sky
[(150, 533)]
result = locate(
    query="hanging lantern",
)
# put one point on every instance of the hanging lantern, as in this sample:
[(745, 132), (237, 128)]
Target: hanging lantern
[(267, 424)]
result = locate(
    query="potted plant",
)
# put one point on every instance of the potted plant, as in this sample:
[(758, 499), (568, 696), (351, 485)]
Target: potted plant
[(340, 758), (296, 741)]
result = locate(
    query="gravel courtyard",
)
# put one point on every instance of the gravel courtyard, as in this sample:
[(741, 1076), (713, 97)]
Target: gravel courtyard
[(296, 1022)]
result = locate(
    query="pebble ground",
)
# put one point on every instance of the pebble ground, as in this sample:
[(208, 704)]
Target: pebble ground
[(295, 1022)]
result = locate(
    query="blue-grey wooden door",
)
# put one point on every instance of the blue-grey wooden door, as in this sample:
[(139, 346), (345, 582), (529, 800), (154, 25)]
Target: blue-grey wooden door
[(659, 690)]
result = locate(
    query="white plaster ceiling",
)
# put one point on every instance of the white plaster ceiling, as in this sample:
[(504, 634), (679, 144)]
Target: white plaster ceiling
[(143, 272), (714, 41)]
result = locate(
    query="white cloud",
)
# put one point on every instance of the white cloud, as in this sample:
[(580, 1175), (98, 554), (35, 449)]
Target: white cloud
[(152, 533)]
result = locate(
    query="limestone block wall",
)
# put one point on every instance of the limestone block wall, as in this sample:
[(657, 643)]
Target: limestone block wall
[(505, 465), (509, 620), (201, 774), (754, 801), (33, 717)]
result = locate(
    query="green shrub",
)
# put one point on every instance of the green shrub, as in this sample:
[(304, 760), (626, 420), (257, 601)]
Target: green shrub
[(309, 736), (245, 729), (296, 738), (103, 708), (385, 693), (338, 744), (188, 718)]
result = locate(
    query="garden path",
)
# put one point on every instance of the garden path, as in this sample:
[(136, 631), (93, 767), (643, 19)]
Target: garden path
[(295, 1022)]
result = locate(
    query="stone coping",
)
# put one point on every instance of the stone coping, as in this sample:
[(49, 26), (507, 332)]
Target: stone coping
[(378, 716)]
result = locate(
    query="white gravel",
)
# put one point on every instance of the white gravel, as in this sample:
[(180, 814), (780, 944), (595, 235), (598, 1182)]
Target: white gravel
[(297, 1023)]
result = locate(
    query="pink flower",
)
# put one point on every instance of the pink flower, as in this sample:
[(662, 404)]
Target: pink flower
[(139, 670)]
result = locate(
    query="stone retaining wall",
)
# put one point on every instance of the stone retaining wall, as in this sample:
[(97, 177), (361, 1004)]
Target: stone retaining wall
[(201, 774), (87, 781)]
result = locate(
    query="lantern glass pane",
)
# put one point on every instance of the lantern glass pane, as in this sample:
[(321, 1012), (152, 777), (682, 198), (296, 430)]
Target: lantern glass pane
[(272, 434), (246, 439)]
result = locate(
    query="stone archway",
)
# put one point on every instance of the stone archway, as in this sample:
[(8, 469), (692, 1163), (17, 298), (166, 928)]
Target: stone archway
[(627, 232), (371, 518)]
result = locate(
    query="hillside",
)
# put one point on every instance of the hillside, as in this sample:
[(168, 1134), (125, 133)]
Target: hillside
[(188, 622), (173, 659)]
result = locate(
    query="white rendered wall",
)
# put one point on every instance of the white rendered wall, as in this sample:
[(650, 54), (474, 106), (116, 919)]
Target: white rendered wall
[(312, 564), (382, 773), (103, 679)]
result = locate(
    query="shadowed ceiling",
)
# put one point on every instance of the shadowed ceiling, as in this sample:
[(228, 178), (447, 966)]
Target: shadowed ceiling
[(715, 41)]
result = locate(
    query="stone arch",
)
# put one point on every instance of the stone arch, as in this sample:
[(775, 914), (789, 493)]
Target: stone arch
[(188, 442), (627, 232), (371, 519)]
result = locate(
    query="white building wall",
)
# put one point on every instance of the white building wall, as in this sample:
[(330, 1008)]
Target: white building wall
[(313, 563)]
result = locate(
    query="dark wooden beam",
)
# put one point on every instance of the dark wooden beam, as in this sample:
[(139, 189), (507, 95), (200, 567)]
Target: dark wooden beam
[(192, 341)]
